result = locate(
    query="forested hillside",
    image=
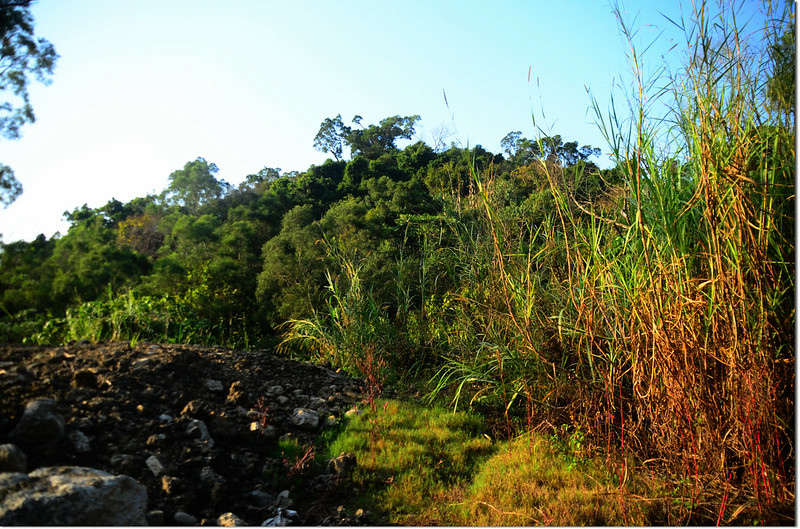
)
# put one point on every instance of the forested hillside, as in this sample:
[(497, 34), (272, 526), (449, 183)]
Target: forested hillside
[(207, 262), (645, 311)]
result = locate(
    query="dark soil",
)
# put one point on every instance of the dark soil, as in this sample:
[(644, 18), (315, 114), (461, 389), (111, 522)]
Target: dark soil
[(134, 402)]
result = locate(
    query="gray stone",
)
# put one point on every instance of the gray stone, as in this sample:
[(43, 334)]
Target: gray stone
[(40, 424), (209, 477), (318, 402), (142, 363), (269, 431), (71, 496), (283, 501), (12, 459), (156, 517), (124, 463), (156, 466), (79, 441), (199, 430), (282, 519), (156, 439), (214, 386), (182, 518), (306, 419), (261, 498), (274, 391)]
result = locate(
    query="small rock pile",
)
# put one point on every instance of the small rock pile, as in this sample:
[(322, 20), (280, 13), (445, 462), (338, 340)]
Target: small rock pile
[(114, 434)]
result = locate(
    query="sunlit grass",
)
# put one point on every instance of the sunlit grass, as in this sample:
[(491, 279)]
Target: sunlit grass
[(410, 457), (529, 482), (422, 466)]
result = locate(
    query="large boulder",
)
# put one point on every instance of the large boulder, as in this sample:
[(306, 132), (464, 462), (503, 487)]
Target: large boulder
[(71, 496), (40, 424)]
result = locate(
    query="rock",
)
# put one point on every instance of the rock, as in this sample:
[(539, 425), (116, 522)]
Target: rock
[(142, 363), (182, 518), (156, 517), (274, 391), (305, 419), (283, 400), (169, 484), (24, 375), (12, 459), (353, 412), (79, 441), (209, 477), (199, 430), (40, 424), (229, 520), (85, 378), (124, 463), (318, 402), (283, 518), (261, 498), (194, 408), (156, 440), (268, 431), (342, 465), (235, 393), (156, 466), (214, 386), (283, 500), (71, 496)]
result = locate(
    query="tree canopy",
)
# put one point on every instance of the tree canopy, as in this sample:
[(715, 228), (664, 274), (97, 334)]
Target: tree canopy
[(22, 56)]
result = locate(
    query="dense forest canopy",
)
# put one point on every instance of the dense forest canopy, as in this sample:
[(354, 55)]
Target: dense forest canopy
[(251, 253)]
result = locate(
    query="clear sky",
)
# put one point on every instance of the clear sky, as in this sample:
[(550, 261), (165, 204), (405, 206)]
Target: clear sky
[(144, 86)]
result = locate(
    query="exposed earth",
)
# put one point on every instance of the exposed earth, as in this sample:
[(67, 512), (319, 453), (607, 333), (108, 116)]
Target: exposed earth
[(199, 427)]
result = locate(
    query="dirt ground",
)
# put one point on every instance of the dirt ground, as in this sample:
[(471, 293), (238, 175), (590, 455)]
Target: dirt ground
[(199, 427)]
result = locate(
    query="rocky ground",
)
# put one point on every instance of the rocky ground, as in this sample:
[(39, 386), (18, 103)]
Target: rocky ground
[(198, 427)]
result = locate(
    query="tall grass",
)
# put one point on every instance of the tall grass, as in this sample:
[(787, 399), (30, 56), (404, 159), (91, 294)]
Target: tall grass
[(352, 332), (685, 315), (659, 321)]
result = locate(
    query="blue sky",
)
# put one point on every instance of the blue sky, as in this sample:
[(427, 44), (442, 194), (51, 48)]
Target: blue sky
[(143, 86)]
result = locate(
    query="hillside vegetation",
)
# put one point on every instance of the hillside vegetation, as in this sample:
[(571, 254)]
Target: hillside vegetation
[(641, 316)]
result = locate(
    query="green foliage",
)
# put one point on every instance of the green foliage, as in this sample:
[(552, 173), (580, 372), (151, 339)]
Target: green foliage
[(131, 316), (195, 185), (352, 332), (22, 55)]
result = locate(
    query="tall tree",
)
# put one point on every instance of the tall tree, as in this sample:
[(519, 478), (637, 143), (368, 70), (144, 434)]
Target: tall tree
[(21, 55), (331, 136), (374, 140), (195, 185)]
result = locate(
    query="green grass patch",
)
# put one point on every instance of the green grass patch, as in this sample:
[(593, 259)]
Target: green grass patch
[(410, 458), (431, 466)]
